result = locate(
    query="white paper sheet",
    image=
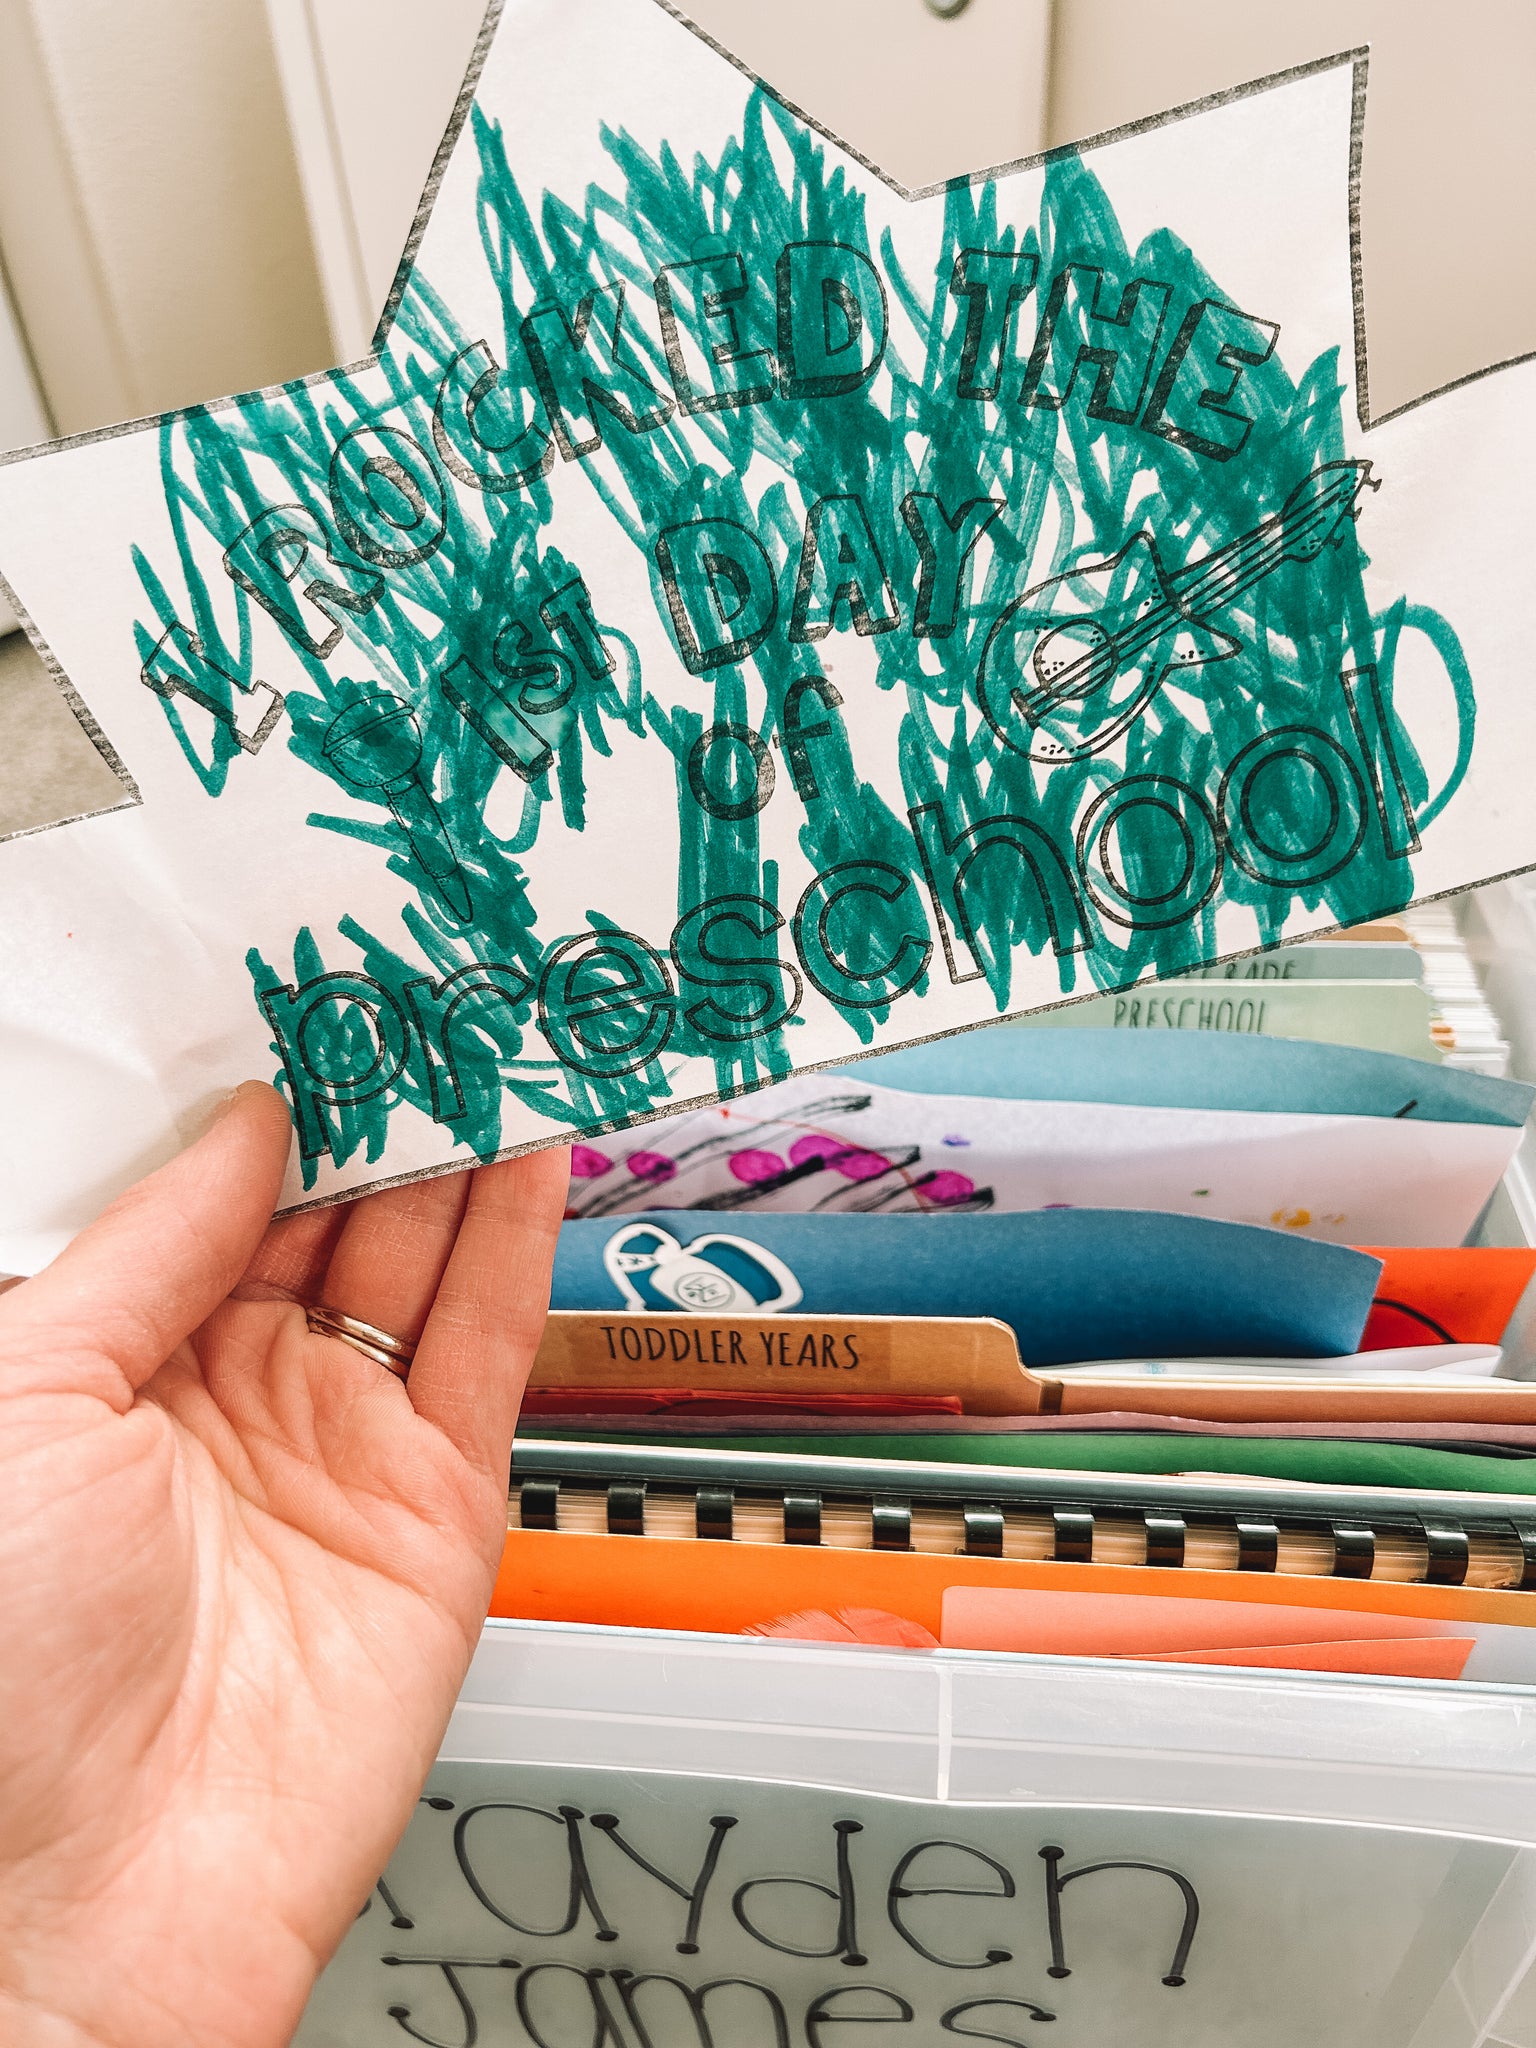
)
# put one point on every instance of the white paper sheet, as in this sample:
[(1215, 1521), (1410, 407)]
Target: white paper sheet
[(1407, 1366), (837, 1143), (747, 614)]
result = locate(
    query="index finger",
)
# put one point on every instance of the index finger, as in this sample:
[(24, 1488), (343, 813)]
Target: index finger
[(478, 1346)]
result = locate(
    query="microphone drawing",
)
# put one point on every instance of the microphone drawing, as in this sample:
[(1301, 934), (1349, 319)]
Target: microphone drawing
[(376, 746)]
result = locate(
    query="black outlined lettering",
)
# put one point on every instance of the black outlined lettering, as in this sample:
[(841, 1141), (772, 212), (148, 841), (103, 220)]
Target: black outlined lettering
[(469, 386), (841, 564), (708, 779), (441, 1010), (851, 970), (795, 735), (768, 989), (269, 560), (178, 666), (1084, 329), (388, 497), (994, 283), (579, 362), (833, 319), (606, 1002), (700, 306), (1191, 404), (721, 591), (945, 542), (334, 1060), (949, 860)]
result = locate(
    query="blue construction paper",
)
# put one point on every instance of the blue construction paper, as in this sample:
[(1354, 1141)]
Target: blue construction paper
[(1072, 1283), (1197, 1070)]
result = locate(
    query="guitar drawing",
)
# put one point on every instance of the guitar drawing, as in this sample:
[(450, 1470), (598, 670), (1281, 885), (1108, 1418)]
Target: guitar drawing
[(1074, 661)]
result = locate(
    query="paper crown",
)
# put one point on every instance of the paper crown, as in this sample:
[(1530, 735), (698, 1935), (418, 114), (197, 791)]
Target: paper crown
[(747, 613)]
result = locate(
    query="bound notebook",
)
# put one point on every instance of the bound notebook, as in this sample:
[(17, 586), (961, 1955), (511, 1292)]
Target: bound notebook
[(731, 1542)]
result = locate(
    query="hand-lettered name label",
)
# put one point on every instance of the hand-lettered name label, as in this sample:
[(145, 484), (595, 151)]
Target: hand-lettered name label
[(562, 1907)]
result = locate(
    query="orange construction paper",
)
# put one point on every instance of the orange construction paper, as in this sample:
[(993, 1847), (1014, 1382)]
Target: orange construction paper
[(848, 1625), (725, 1588), (1078, 1624), (1408, 1657), (1464, 1294)]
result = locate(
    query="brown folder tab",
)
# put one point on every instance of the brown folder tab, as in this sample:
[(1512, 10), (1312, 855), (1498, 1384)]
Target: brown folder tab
[(1386, 929), (976, 1358), (1305, 1398)]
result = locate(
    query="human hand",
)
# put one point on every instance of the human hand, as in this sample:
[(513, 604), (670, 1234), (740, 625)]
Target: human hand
[(242, 1572)]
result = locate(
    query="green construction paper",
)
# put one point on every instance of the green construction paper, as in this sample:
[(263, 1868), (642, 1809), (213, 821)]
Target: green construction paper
[(1382, 1016), (1323, 1462)]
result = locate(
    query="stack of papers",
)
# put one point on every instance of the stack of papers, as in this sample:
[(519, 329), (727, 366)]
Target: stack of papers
[(1210, 1233), (1238, 1248), (1464, 1019)]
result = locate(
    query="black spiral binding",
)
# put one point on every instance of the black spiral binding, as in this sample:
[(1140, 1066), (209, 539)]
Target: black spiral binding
[(802, 1517), (1258, 1543), (1166, 1532), (983, 1530), (714, 1513), (1354, 1550), (1443, 1525), (1074, 1534)]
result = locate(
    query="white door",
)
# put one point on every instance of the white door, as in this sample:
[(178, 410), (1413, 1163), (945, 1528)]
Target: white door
[(22, 419)]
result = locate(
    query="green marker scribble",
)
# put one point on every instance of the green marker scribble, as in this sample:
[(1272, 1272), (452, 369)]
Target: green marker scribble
[(461, 655)]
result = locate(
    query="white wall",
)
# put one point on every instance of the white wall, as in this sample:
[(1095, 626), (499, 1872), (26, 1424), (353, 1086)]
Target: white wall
[(370, 86), (150, 213), (924, 98), (22, 419)]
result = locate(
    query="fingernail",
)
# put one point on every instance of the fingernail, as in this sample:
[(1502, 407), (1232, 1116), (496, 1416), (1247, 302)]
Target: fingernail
[(203, 1119)]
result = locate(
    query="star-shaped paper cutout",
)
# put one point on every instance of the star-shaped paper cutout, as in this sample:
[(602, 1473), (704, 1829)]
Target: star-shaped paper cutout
[(745, 614)]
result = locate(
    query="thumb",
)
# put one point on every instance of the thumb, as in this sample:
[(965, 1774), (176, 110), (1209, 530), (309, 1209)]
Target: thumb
[(158, 1262)]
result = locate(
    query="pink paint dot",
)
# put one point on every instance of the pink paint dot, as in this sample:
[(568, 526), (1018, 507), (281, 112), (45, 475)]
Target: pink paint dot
[(753, 1167), (861, 1165), (652, 1166), (945, 1189), (804, 1150), (589, 1164), (848, 1160)]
